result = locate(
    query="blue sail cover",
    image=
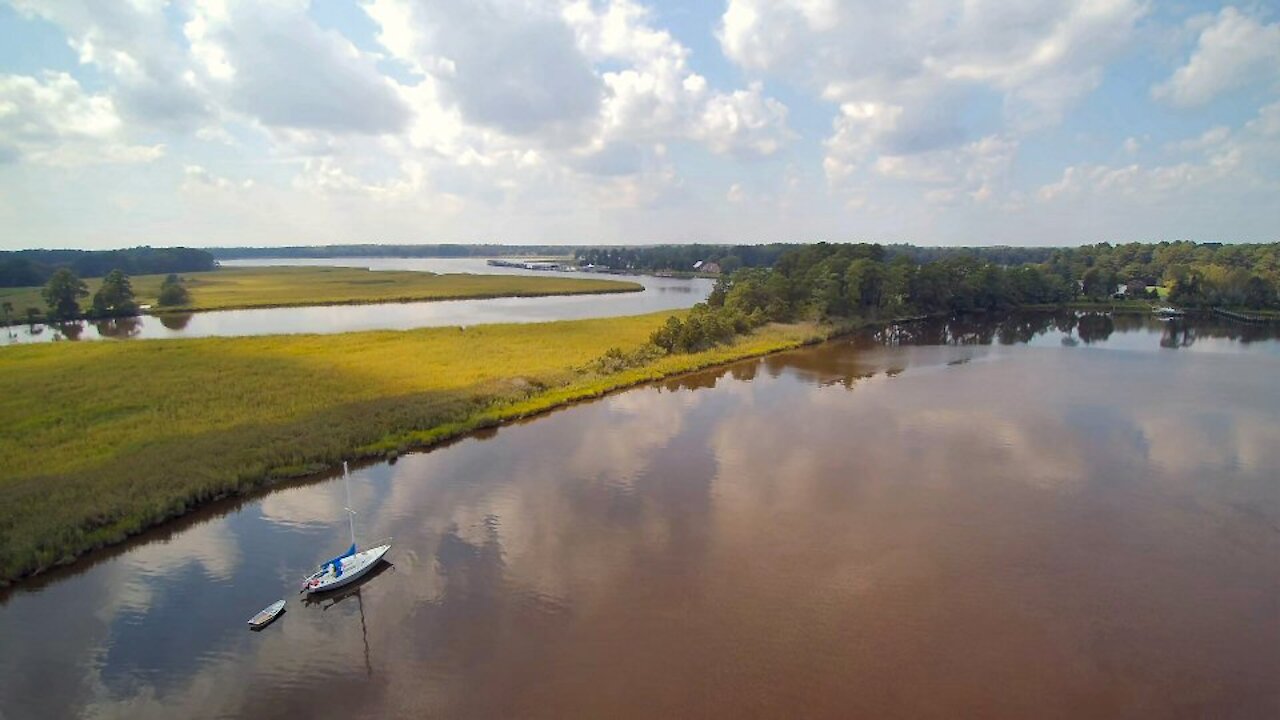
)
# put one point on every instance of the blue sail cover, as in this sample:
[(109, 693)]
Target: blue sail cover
[(337, 562)]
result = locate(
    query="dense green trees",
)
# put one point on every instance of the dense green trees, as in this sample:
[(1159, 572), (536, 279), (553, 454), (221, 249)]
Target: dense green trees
[(28, 268), (1195, 274), (62, 295), (825, 281), (115, 296), (64, 290), (173, 292), (682, 257)]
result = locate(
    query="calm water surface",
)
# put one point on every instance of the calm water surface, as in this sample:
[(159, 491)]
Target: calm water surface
[(658, 294), (1035, 518)]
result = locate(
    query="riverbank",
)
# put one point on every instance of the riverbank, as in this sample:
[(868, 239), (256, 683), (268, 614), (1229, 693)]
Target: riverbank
[(298, 286), (104, 440)]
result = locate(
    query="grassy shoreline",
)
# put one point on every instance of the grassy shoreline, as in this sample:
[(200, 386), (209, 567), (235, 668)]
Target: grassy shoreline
[(300, 286), (106, 440)]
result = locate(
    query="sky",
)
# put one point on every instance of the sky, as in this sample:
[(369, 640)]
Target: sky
[(934, 122)]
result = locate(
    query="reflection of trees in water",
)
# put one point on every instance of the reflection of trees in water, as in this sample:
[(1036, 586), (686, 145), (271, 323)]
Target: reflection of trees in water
[(745, 372), (124, 327), (967, 330), (175, 321), (1177, 334), (69, 330), (1183, 332), (1021, 329), (1240, 331), (695, 381), (1095, 327), (834, 364), (1131, 322), (14, 337)]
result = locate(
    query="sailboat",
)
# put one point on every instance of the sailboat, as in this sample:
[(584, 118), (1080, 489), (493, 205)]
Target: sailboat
[(350, 565)]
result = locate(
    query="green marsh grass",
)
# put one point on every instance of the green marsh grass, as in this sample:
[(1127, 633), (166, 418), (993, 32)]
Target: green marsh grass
[(105, 439), (258, 287)]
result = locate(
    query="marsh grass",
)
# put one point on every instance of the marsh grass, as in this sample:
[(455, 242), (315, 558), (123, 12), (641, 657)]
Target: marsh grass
[(103, 440), (260, 287)]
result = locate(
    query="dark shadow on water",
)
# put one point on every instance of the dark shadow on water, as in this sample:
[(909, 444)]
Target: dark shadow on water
[(1095, 328), (175, 321), (119, 328), (68, 330), (324, 601)]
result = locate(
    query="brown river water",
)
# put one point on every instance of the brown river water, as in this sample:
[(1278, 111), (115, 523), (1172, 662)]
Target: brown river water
[(1036, 517)]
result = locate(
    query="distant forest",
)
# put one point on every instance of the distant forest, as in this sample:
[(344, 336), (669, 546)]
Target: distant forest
[(826, 281), (1195, 273), (1190, 274), (656, 258), (412, 251), (26, 268)]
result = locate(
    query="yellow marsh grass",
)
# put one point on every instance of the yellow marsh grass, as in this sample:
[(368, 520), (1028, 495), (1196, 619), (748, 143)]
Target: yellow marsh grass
[(103, 439), (294, 286)]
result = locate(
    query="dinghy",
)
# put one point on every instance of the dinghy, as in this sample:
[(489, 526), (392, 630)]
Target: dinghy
[(350, 565), (266, 615)]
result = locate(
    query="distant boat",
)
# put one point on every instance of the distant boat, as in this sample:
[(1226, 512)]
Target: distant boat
[(350, 565), (266, 615), (1166, 311)]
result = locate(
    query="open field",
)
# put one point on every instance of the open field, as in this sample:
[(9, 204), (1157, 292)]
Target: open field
[(254, 287), (102, 440)]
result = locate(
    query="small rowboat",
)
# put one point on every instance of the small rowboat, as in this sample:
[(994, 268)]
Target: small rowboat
[(269, 613)]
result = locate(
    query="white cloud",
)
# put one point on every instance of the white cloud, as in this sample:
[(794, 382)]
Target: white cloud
[(761, 34), (198, 179), (590, 120), (505, 64), (858, 130), (1224, 163), (132, 43), (1233, 52), (51, 120), (978, 170), (276, 66), (659, 96), (744, 122), (1041, 54), (905, 74)]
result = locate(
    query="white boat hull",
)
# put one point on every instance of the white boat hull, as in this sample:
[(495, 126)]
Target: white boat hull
[(267, 615), (354, 567)]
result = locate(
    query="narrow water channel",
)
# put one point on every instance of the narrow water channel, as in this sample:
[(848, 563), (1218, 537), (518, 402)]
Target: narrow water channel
[(658, 294)]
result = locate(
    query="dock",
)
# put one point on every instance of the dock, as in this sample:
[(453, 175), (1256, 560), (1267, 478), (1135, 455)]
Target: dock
[(1242, 317)]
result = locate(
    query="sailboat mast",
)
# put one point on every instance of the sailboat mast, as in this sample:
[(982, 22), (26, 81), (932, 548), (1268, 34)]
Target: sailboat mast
[(351, 514)]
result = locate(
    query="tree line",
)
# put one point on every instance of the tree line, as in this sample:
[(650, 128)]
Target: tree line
[(114, 298), (681, 258), (832, 282), (30, 268), (446, 250), (1195, 274)]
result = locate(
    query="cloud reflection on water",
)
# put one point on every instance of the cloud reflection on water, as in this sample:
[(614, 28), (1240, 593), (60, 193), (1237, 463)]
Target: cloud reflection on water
[(895, 514)]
